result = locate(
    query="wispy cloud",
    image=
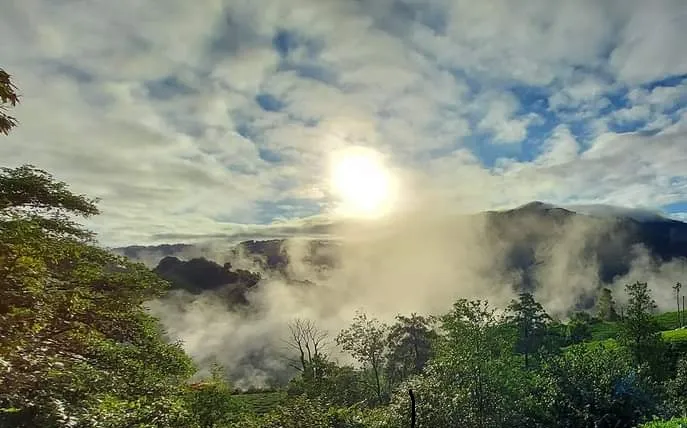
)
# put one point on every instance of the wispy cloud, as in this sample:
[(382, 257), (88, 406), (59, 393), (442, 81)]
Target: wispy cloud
[(189, 118)]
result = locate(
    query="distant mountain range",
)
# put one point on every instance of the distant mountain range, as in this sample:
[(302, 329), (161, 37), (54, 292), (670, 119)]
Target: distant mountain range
[(603, 235)]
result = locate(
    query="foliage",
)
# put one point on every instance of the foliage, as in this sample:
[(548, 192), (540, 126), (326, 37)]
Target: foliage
[(77, 348), (301, 412), (365, 340), (76, 342), (531, 322), (595, 384), (8, 98), (474, 380), (602, 330), (673, 423), (260, 403), (639, 330), (212, 403), (579, 328), (335, 386), (676, 389), (410, 342), (605, 306)]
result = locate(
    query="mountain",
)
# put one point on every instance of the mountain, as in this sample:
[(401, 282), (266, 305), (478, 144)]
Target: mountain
[(524, 238), (605, 238)]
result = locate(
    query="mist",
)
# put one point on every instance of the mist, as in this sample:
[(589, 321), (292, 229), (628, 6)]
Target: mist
[(416, 262)]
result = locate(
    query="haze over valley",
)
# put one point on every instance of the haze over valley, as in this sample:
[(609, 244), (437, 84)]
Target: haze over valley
[(232, 301)]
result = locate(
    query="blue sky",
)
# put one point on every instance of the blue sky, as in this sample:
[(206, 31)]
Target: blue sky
[(199, 118)]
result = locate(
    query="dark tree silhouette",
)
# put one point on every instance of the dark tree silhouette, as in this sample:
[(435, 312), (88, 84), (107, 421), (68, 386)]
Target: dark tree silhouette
[(531, 321)]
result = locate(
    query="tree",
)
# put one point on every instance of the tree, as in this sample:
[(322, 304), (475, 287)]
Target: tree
[(605, 306), (531, 321), (365, 340), (598, 386), (212, 402), (8, 98), (639, 330), (409, 348), (474, 380), (677, 288), (334, 386), (677, 388), (307, 340), (31, 197), (77, 344)]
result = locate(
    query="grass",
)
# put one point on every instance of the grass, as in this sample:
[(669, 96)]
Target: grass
[(261, 402), (679, 335), (605, 330), (668, 320)]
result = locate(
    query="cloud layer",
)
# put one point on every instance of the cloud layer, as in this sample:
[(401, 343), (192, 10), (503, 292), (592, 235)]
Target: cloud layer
[(210, 117)]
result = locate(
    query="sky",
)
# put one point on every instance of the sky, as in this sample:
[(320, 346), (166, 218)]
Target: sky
[(212, 117)]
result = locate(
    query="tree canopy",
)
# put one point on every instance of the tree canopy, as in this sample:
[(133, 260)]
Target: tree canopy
[(76, 340)]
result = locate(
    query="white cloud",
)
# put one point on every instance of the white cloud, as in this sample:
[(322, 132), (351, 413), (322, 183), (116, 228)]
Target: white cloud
[(650, 46), (500, 119), (416, 80)]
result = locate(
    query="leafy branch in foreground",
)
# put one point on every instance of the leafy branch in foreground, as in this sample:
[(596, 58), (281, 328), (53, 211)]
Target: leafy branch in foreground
[(75, 341), (8, 98)]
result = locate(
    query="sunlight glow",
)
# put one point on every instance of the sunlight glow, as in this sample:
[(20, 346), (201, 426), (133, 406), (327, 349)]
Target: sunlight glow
[(362, 183)]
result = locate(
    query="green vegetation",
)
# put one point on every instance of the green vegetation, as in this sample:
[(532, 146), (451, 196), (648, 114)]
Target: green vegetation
[(673, 423), (8, 98), (78, 349), (261, 403)]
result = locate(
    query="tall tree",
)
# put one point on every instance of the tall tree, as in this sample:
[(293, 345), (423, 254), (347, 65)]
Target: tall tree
[(531, 321), (8, 98), (605, 306), (365, 340), (410, 346), (639, 329)]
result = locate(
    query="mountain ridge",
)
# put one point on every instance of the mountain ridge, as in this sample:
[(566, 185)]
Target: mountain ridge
[(609, 241)]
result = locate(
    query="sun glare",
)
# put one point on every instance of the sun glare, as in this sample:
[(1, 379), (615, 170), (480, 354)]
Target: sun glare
[(361, 183)]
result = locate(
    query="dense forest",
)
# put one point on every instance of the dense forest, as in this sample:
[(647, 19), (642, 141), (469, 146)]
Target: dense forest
[(79, 349)]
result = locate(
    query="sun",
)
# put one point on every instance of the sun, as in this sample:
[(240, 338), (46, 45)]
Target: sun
[(362, 183)]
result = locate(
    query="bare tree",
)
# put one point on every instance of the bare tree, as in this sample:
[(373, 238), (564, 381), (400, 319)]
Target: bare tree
[(309, 342)]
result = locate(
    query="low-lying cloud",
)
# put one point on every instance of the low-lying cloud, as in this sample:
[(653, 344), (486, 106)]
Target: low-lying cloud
[(420, 262)]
